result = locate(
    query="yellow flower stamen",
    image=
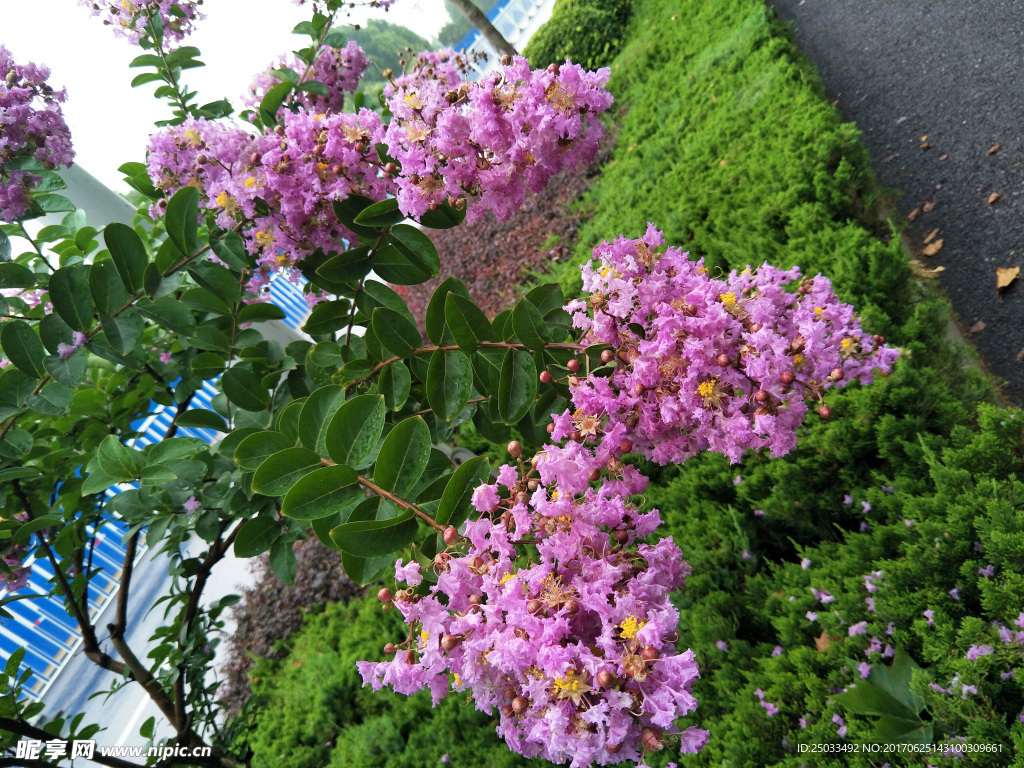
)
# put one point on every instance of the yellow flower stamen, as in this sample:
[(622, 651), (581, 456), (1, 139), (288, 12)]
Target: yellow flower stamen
[(630, 627), (727, 298)]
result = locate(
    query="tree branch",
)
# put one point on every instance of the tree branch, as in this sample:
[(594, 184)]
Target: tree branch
[(121, 615)]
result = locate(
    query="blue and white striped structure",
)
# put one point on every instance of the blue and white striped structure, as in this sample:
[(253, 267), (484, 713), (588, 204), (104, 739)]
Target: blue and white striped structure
[(516, 20), (42, 626)]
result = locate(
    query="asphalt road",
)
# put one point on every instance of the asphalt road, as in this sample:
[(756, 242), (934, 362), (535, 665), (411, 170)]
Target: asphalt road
[(946, 73)]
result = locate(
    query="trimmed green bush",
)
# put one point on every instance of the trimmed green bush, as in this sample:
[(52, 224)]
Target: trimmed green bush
[(589, 32)]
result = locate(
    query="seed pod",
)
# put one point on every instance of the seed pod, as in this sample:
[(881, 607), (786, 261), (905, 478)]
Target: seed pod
[(385, 595), (520, 704)]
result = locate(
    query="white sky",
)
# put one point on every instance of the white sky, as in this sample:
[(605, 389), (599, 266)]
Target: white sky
[(109, 120)]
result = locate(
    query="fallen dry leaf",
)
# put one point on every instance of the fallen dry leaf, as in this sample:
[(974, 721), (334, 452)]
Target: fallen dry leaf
[(931, 236), (978, 327), (927, 207), (1020, 355), (931, 250), (914, 213), (721, 163), (994, 148), (824, 640), (900, 120), (923, 272), (924, 138), (890, 158), (926, 145), (944, 157), (1005, 276), (993, 197)]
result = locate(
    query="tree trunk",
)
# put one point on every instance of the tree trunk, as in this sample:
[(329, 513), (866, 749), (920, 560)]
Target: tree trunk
[(477, 18)]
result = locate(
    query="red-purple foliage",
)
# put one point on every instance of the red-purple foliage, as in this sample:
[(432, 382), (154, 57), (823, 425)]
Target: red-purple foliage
[(270, 611), (492, 256)]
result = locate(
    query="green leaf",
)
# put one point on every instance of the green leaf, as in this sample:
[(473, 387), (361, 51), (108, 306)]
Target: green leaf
[(410, 257), (377, 294), (395, 331), (282, 561), (449, 382), (435, 316), (394, 383), (272, 102), (202, 419), (487, 365), (105, 286), (169, 313), (53, 400), (16, 276), (380, 214), (124, 331), (387, 533), (518, 386), (5, 247), (528, 324), (54, 203), (71, 297), (128, 254), (348, 267), (444, 217), (146, 77), (327, 317), (15, 444), (67, 371), (230, 248), (889, 730), (208, 365), (326, 354), (403, 456), (455, 501), (256, 448), (280, 472), (244, 388), (355, 429), (316, 415), (260, 312), (395, 267), (117, 461), (22, 347), (365, 570), (217, 280), (182, 220), (467, 323), (315, 87), (895, 680), (323, 492), (256, 536), (867, 699), (346, 210)]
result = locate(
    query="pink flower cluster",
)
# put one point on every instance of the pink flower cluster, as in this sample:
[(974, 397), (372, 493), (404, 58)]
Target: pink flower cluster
[(576, 646), (711, 364), (493, 140), (14, 559), (490, 140), (339, 69), (131, 19), (31, 125)]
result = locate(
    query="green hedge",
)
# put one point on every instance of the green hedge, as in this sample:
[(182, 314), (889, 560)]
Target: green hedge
[(588, 32)]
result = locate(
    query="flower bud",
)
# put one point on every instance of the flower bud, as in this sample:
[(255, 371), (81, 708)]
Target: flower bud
[(202, 160), (761, 411), (389, 648), (824, 411), (573, 365), (279, 130), (690, 309), (878, 339), (533, 485), (639, 389), (572, 607), (650, 654), (254, 158), (761, 395), (507, 711), (652, 739), (573, 381), (605, 679), (515, 450), (450, 535), (545, 377), (520, 704), (388, 73), (756, 327), (385, 595), (554, 68), (837, 374), (626, 446), (632, 420), (595, 475), (450, 642), (391, 169), (533, 606), (550, 428), (724, 361), (575, 435), (787, 377), (475, 600), (506, 60), (613, 748), (607, 356)]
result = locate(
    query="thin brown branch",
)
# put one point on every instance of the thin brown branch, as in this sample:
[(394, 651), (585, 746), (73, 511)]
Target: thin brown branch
[(121, 614), (402, 503)]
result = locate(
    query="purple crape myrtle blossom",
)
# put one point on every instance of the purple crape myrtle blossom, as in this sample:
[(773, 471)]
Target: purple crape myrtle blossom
[(15, 576), (720, 365), (975, 652), (33, 133), (491, 140), (135, 19), (78, 340), (575, 647), (339, 69)]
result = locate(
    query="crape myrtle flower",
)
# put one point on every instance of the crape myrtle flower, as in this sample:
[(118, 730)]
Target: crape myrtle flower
[(339, 69), (134, 19), (31, 127), (575, 648), (721, 365)]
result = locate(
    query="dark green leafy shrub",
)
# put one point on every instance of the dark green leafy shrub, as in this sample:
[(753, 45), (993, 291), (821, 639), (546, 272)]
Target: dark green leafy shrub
[(587, 32)]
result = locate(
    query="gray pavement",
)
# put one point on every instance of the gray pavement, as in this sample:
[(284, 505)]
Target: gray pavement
[(946, 74)]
